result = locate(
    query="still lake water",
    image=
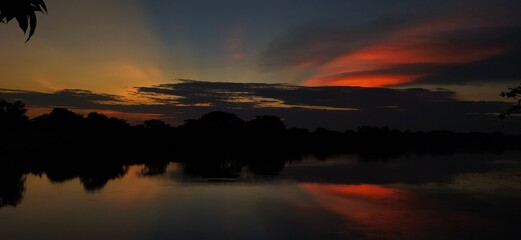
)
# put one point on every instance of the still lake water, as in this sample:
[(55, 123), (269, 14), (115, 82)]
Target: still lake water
[(458, 196)]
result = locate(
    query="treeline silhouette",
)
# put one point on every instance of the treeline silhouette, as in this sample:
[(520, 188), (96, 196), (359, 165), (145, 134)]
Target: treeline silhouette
[(96, 148), (220, 133)]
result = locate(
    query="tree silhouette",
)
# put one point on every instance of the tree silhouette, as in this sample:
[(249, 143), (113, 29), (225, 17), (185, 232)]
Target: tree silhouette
[(12, 187), (59, 119), (156, 124), (514, 93), (220, 119), (267, 124), (24, 11), (215, 121), (96, 121), (12, 115)]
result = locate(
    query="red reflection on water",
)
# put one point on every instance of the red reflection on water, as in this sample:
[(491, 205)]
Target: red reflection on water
[(362, 190), (390, 213)]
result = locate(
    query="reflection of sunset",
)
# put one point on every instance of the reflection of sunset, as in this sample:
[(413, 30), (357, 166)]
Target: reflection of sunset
[(143, 189), (385, 211), (362, 190)]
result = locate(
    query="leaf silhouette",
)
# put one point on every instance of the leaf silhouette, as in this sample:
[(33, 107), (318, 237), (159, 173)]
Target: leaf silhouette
[(32, 28), (24, 11), (22, 22)]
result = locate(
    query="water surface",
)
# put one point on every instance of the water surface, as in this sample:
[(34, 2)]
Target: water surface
[(457, 196)]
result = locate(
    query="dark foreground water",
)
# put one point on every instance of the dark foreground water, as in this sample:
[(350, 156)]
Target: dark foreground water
[(460, 196)]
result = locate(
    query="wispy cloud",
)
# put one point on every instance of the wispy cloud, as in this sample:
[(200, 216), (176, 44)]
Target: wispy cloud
[(410, 49)]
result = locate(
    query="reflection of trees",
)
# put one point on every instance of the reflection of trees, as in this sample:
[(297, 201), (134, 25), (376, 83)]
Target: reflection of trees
[(270, 165), (12, 187), (92, 176), (269, 168), (232, 166), (94, 179), (213, 169), (154, 168)]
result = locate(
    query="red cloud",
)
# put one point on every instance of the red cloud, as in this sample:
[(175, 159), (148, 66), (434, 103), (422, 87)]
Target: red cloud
[(361, 81), (427, 42)]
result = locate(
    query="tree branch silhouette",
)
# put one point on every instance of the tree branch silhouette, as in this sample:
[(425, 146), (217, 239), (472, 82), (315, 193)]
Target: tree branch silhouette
[(514, 93), (24, 11)]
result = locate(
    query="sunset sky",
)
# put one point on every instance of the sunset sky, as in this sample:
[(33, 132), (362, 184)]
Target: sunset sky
[(415, 64)]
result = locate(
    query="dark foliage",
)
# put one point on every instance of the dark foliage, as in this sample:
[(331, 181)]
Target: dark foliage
[(156, 124), (12, 186), (225, 133), (12, 116), (514, 93), (60, 120), (24, 11)]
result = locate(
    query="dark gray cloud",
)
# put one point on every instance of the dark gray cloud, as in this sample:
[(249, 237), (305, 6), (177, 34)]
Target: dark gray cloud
[(337, 108), (74, 98), (249, 95), (502, 68), (332, 107)]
